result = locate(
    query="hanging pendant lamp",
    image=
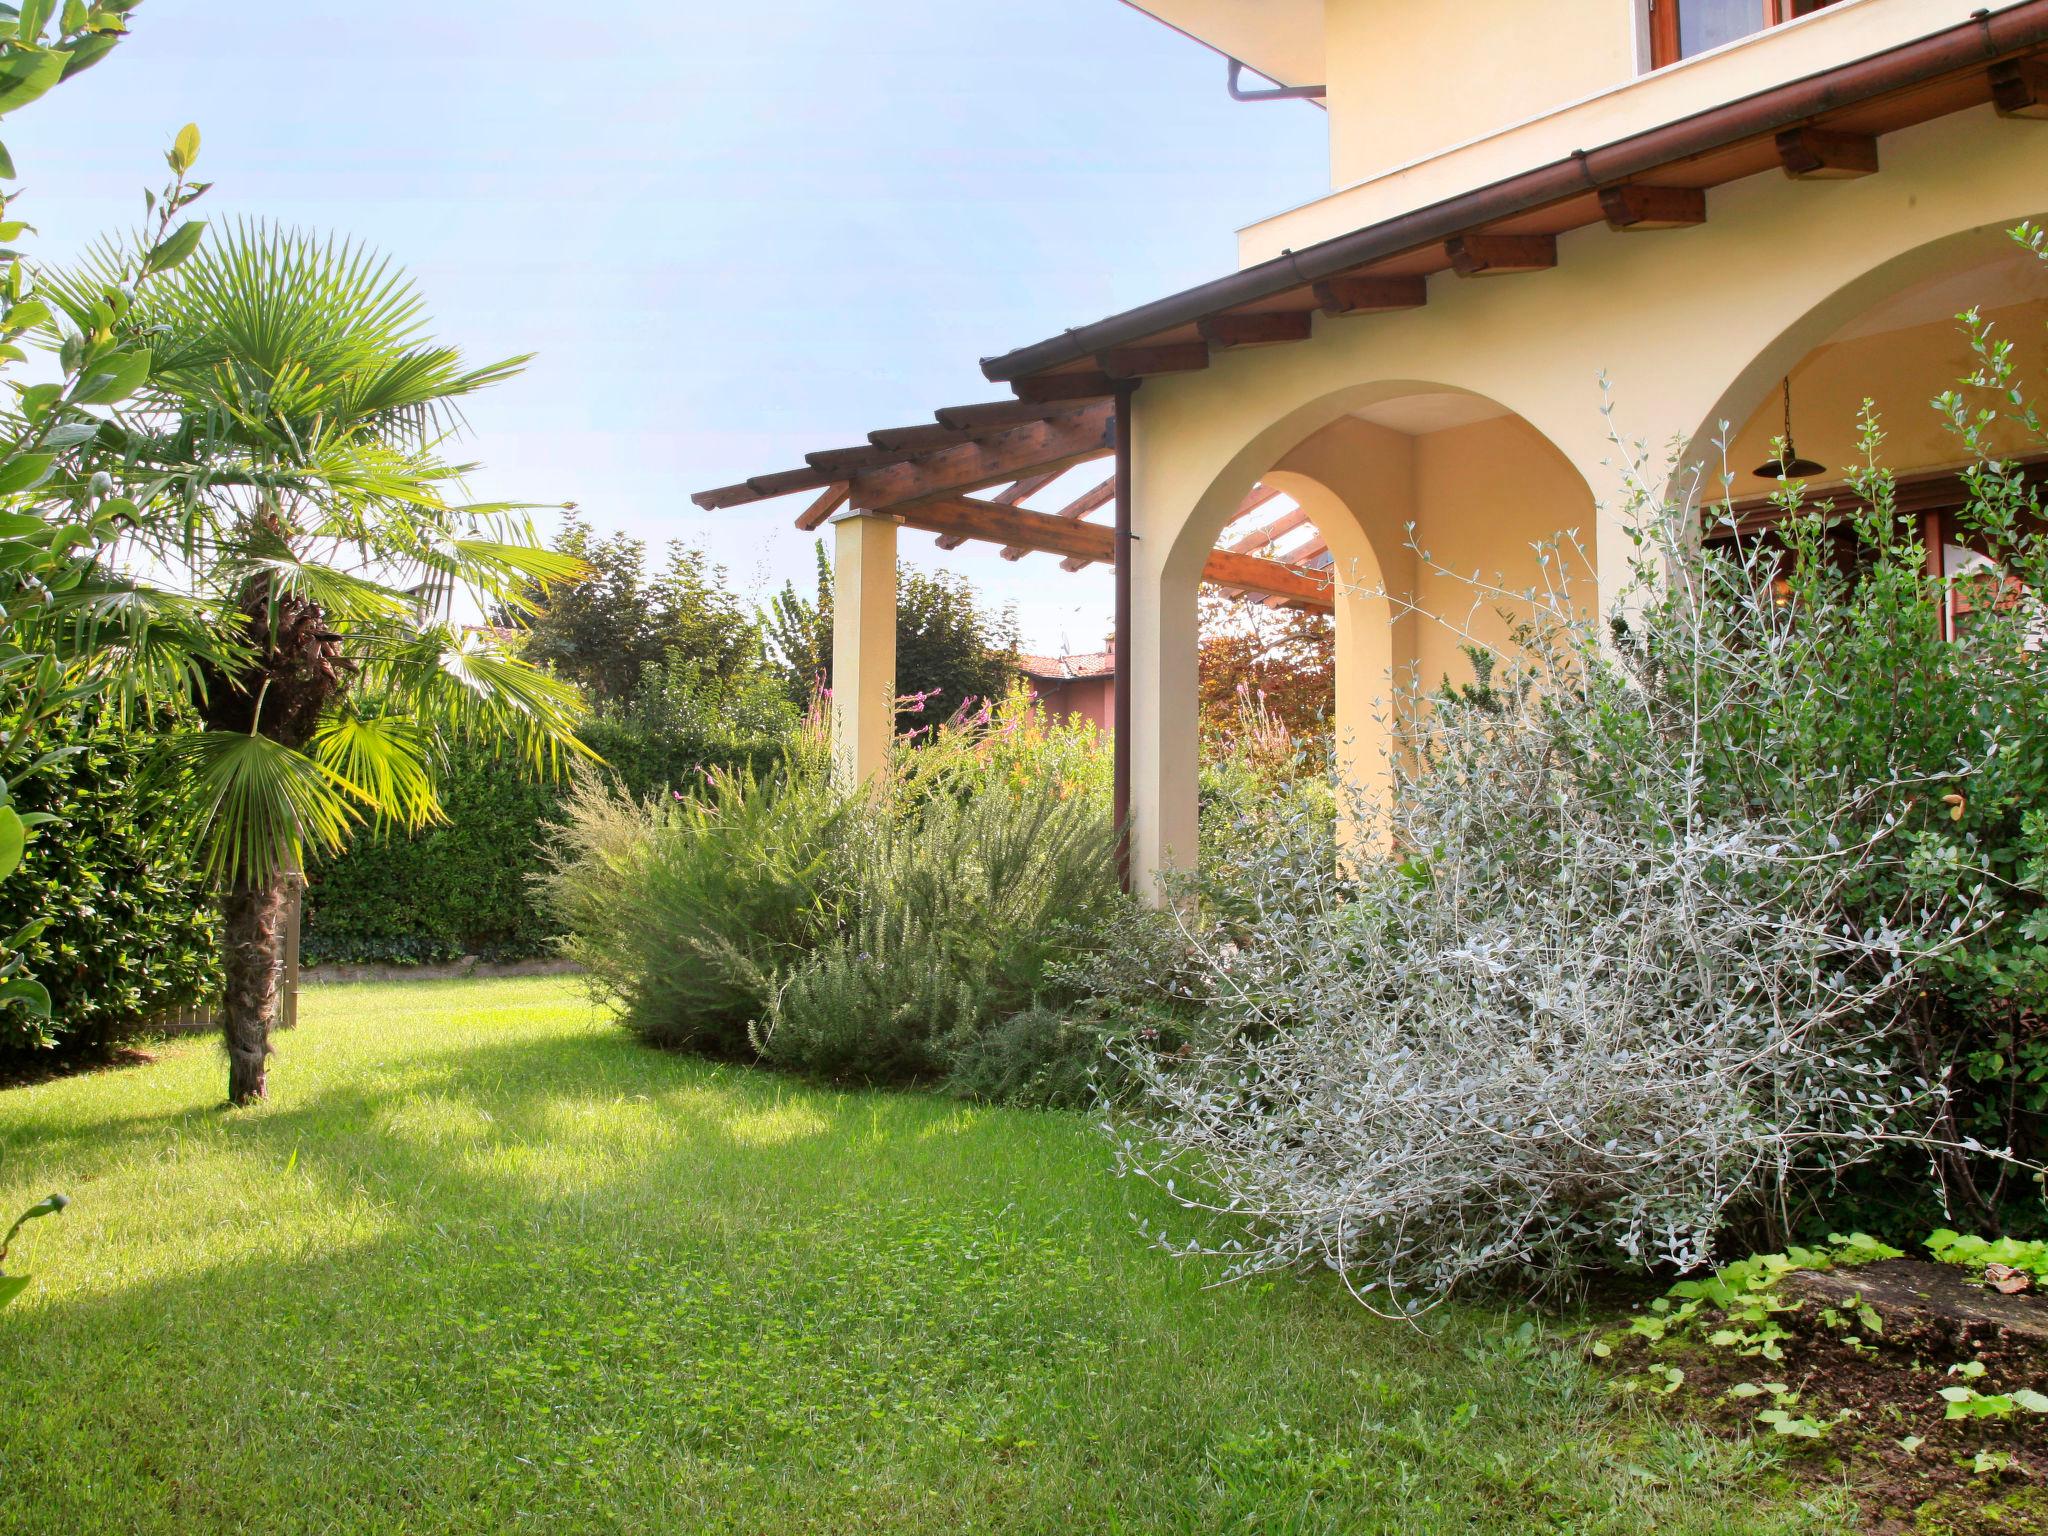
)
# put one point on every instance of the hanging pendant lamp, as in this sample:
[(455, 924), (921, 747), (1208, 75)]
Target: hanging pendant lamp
[(1788, 465)]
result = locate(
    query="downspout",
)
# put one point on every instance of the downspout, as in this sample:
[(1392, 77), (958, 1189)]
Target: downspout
[(1272, 93), (1120, 792)]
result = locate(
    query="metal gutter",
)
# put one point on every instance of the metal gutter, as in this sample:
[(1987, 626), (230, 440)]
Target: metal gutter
[(1984, 39)]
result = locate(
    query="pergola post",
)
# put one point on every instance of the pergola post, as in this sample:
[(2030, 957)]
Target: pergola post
[(863, 646)]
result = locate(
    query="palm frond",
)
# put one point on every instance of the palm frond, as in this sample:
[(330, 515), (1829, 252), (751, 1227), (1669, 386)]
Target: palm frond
[(386, 759), (461, 684), (261, 805)]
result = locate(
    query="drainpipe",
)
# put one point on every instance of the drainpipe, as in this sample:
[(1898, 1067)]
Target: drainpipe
[(1120, 793), (1273, 93)]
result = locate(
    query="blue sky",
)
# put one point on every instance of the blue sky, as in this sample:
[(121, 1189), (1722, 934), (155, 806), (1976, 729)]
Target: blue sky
[(731, 232)]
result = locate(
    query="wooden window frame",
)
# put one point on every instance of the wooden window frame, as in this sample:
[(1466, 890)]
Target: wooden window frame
[(1770, 13)]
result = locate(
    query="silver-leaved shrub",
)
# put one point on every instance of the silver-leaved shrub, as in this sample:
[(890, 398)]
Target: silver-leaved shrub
[(1587, 975)]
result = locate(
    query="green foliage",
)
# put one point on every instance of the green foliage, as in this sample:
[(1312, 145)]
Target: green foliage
[(12, 1286), (955, 903), (1041, 1057), (608, 628), (1738, 1306), (1973, 1252), (1868, 687), (115, 909), (465, 884), (685, 906), (555, 1281), (949, 651), (873, 935)]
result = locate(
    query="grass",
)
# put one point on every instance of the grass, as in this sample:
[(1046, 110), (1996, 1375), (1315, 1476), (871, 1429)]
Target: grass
[(483, 1264)]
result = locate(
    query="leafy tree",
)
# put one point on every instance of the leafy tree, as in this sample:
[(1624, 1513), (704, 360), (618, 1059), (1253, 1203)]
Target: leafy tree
[(290, 429), (1276, 662), (604, 630), (66, 624), (948, 648)]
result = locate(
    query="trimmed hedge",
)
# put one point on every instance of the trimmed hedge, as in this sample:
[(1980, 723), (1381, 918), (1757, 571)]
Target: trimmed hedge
[(131, 927), (462, 888)]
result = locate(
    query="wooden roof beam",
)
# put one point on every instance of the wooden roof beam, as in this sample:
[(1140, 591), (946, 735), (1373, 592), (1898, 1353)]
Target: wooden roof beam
[(919, 439), (1498, 255), (1817, 154), (1640, 207), (1264, 329), (1257, 497), (2019, 88), (1371, 295), (1143, 362), (995, 415), (1266, 533), (1053, 388), (813, 516), (1022, 491), (1039, 447), (1049, 533), (1088, 501)]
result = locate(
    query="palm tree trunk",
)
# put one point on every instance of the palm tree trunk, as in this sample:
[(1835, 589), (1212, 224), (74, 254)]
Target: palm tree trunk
[(255, 916)]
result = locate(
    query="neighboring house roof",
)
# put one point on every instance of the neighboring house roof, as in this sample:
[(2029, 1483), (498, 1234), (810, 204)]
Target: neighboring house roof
[(1063, 669)]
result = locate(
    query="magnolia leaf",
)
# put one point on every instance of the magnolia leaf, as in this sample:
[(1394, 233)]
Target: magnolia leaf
[(114, 378), (35, 15), (24, 471), (30, 993), (176, 246), (88, 51), (185, 148), (13, 839), (11, 1286), (28, 72)]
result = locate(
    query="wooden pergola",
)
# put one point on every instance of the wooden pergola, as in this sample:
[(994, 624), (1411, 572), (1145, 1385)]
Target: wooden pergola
[(965, 477)]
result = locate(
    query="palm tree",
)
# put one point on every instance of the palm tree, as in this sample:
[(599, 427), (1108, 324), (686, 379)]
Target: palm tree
[(292, 428)]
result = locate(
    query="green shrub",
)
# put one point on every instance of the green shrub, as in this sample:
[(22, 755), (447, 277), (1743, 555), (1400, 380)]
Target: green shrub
[(1040, 1058), (875, 936), (465, 887), (958, 904), (685, 908), (130, 928)]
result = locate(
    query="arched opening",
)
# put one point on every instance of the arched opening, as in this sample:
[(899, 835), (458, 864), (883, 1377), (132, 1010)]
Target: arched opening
[(1892, 337), (1433, 504)]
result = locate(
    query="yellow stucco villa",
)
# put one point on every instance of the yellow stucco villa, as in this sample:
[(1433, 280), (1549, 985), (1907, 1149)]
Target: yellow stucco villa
[(1707, 202)]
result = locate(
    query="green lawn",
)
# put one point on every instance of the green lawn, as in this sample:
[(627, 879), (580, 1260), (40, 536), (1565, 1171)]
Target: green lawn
[(483, 1264)]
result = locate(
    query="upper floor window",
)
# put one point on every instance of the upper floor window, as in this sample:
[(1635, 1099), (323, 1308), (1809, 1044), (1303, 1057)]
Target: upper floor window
[(1681, 28)]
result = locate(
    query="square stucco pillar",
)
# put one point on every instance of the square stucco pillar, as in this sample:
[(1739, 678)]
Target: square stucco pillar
[(863, 646)]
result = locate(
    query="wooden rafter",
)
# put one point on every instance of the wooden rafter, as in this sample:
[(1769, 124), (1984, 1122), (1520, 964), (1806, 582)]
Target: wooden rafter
[(1640, 207), (1494, 255), (2019, 88), (1094, 497), (1051, 388), (1143, 362), (1049, 533), (1259, 330), (1038, 447), (1263, 535), (1817, 154), (815, 514), (1014, 495), (1371, 295)]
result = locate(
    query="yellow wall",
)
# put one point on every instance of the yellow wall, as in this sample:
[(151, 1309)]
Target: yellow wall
[(1433, 98), (1406, 80), (1691, 327), (1900, 372)]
